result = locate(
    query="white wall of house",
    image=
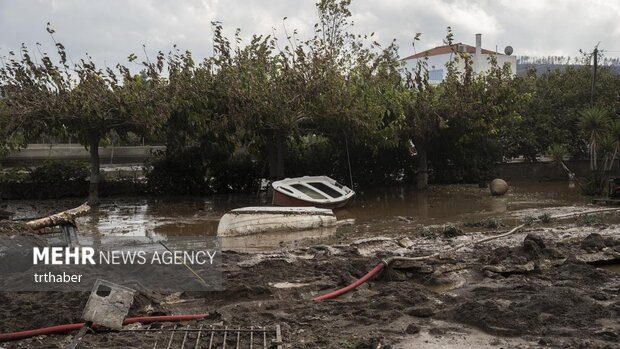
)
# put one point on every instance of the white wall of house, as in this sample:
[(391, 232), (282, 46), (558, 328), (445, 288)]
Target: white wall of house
[(436, 67), (481, 64)]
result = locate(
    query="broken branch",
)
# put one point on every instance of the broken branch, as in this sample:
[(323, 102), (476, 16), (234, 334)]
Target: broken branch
[(67, 216)]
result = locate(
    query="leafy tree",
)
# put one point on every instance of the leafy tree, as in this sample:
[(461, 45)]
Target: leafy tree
[(83, 100), (551, 107), (11, 133)]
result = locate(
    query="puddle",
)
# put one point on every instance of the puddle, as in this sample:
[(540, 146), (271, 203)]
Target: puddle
[(613, 267)]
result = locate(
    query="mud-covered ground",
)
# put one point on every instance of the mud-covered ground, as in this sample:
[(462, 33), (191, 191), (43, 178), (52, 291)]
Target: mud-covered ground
[(552, 285)]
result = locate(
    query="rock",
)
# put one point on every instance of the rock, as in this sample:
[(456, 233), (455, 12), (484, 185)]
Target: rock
[(420, 311), (412, 329), (536, 239), (533, 246), (554, 253), (499, 254), (593, 242), (498, 187), (405, 242)]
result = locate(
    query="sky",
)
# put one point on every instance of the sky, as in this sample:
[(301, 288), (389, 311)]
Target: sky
[(110, 30)]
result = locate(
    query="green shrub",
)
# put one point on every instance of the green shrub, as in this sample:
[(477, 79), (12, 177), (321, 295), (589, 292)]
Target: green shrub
[(528, 220), (594, 185), (181, 173), (240, 173), (13, 175), (193, 171), (451, 231), (590, 220), (545, 217), (57, 171), (491, 223)]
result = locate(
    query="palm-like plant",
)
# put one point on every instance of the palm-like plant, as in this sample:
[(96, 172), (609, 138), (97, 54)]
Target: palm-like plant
[(594, 122), (606, 148), (614, 135), (557, 153)]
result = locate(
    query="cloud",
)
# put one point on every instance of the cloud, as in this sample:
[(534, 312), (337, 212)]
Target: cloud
[(110, 30)]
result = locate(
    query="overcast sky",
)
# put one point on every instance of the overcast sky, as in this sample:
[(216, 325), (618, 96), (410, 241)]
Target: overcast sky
[(109, 30)]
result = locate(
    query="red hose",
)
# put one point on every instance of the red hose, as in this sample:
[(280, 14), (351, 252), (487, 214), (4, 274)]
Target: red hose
[(4, 337), (352, 286)]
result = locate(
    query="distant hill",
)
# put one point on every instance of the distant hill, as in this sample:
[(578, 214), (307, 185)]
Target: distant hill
[(545, 67), (544, 64)]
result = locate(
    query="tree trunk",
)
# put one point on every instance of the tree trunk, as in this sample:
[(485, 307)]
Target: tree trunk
[(276, 155), (422, 171), (93, 189)]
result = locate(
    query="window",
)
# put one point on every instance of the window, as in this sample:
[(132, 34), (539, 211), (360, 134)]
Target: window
[(436, 74)]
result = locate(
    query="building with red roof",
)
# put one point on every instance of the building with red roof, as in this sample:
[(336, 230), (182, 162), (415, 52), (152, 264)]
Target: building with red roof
[(437, 58)]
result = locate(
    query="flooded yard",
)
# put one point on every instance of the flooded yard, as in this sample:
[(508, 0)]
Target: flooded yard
[(555, 283), (377, 212)]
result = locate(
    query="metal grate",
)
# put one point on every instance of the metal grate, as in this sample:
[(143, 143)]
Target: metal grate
[(211, 337)]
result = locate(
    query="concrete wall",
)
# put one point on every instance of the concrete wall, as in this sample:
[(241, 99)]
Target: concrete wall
[(36, 153), (545, 171)]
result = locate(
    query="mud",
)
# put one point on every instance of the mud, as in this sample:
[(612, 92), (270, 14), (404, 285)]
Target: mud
[(551, 285)]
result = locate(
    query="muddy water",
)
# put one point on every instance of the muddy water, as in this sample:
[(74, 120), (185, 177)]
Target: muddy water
[(376, 212), (613, 267)]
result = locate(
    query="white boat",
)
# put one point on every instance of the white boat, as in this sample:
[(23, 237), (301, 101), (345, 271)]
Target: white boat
[(317, 191), (254, 220), (265, 242)]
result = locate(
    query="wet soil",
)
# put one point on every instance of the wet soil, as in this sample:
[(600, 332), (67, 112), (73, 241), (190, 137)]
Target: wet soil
[(551, 285)]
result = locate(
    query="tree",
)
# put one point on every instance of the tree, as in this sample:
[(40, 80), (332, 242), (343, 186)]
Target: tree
[(551, 106), (11, 135), (263, 95), (83, 100), (595, 123)]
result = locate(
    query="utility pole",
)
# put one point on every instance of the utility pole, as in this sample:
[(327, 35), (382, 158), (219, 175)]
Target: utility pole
[(595, 54)]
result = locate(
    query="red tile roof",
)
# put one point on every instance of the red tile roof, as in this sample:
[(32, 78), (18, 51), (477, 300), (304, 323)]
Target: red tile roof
[(440, 50)]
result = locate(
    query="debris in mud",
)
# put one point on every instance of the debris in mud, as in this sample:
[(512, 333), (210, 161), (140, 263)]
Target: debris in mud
[(14, 227), (542, 294), (108, 304), (498, 187), (451, 231), (412, 329), (489, 223)]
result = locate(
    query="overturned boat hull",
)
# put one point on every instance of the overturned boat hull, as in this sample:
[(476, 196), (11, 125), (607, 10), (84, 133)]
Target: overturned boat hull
[(255, 220)]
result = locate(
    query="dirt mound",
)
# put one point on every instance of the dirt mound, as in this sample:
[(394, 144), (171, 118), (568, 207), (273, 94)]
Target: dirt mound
[(533, 310)]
